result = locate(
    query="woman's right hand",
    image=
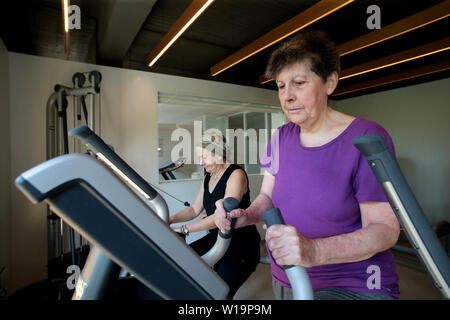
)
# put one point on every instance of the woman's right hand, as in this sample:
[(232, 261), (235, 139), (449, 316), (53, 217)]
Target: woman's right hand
[(220, 217)]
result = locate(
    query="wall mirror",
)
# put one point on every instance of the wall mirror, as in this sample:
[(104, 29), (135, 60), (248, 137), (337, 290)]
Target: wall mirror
[(182, 119)]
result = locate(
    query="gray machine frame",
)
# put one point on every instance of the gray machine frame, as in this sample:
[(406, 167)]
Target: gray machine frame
[(58, 144), (105, 154), (90, 198), (101, 269), (402, 200)]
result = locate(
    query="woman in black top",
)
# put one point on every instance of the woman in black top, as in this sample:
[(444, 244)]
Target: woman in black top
[(222, 180)]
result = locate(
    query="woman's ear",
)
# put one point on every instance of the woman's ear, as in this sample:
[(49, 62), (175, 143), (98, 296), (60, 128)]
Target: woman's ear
[(332, 82)]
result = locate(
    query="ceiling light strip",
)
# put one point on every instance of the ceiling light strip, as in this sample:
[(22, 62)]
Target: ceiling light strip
[(195, 9), (401, 76), (401, 57), (66, 15), (263, 79), (66, 34), (300, 21)]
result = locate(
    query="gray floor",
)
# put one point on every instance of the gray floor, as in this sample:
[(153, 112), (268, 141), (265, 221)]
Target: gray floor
[(415, 284)]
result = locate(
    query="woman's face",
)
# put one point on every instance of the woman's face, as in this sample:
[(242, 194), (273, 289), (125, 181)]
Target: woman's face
[(208, 160), (302, 94)]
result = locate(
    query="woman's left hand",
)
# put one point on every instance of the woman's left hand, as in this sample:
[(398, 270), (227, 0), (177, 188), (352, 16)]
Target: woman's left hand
[(289, 247)]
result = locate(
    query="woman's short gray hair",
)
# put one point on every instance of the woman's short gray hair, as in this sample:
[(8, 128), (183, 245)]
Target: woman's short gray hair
[(313, 46), (214, 143)]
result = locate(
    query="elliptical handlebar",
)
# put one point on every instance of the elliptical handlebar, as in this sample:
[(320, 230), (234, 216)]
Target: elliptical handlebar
[(122, 169), (223, 238), (101, 149), (297, 275), (407, 209), (173, 166), (229, 205)]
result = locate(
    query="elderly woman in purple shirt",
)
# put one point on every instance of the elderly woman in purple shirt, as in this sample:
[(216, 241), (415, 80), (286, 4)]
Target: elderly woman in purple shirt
[(339, 224)]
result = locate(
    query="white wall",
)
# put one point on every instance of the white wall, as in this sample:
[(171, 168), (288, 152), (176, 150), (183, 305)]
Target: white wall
[(5, 163), (418, 120), (129, 123)]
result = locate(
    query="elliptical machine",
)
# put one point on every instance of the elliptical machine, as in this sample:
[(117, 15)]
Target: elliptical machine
[(103, 276)]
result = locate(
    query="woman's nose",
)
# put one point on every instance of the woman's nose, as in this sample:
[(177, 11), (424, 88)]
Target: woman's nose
[(287, 94)]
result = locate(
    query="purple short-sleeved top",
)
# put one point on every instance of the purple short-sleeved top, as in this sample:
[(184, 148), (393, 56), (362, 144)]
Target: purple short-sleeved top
[(318, 190)]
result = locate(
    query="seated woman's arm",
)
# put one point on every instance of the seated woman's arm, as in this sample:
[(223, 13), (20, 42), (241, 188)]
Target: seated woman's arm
[(380, 230), (236, 188), (252, 214), (236, 185), (201, 225), (190, 212)]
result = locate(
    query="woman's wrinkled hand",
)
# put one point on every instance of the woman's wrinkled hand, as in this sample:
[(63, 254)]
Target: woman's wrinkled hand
[(220, 216), (289, 247)]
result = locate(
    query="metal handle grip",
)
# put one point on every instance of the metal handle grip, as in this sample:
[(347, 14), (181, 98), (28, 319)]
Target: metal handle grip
[(297, 275), (223, 238), (229, 205)]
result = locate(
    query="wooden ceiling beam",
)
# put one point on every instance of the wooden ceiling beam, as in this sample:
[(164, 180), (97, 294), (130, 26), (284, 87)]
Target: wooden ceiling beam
[(397, 58), (192, 12), (397, 77), (300, 21), (413, 22)]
